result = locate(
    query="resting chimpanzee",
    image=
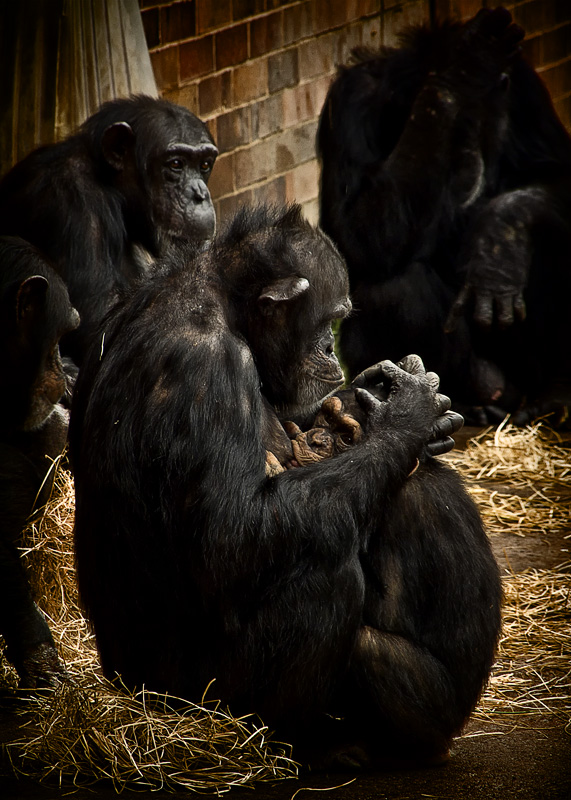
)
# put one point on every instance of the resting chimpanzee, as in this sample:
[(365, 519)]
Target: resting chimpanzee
[(352, 604), (34, 313), (105, 202), (446, 184)]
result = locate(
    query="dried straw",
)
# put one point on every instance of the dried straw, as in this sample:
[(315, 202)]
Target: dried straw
[(521, 480), (88, 730)]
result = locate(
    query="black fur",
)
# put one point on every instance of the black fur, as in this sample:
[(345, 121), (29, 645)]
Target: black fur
[(34, 313), (446, 184), (104, 203), (194, 565)]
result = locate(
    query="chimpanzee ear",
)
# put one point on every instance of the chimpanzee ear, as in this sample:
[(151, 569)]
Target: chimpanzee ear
[(31, 298), (283, 289), (117, 140)]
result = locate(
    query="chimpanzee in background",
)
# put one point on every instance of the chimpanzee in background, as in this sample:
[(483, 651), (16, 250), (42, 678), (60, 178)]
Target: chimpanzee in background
[(446, 184), (104, 203), (35, 312), (352, 603)]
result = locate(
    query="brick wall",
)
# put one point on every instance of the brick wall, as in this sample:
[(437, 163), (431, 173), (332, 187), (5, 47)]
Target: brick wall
[(257, 72)]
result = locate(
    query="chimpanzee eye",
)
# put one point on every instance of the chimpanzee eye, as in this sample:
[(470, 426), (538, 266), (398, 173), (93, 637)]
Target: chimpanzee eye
[(176, 164), (206, 166)]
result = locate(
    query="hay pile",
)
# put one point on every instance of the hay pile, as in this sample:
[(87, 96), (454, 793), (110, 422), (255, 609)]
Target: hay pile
[(521, 479), (89, 730)]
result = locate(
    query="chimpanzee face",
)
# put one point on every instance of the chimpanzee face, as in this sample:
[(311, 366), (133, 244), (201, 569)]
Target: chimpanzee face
[(182, 207), (161, 169), (317, 372), (298, 364)]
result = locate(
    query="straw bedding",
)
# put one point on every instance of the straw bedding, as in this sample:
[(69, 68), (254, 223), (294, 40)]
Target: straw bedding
[(88, 730)]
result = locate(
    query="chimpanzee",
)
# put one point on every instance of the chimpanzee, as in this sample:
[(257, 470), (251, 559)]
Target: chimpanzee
[(446, 184), (353, 603), (104, 203), (35, 312)]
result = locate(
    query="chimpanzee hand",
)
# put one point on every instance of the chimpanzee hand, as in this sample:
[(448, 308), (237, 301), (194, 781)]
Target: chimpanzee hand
[(445, 423), (483, 50), (498, 266)]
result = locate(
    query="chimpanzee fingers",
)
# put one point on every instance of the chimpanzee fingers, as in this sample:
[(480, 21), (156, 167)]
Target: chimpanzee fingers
[(519, 307), (484, 309), (433, 381), (291, 429), (448, 423), (442, 403), (505, 310), (368, 403), (331, 408), (372, 376), (412, 364), (440, 446), (457, 309)]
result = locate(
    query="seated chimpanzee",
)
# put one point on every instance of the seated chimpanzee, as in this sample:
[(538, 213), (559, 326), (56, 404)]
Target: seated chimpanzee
[(104, 203), (354, 602), (446, 184), (34, 313)]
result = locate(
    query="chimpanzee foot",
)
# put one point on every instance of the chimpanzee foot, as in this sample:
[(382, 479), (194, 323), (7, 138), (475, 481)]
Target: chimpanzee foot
[(42, 668)]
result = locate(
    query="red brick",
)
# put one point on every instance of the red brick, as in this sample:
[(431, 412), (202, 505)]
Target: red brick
[(364, 8), (267, 116), (231, 46), (532, 49), (227, 207), (249, 82), (317, 57), (304, 102), (256, 163), (234, 128), (283, 70), (241, 9), (557, 80), (272, 192), (533, 16), (196, 58), (563, 109), (184, 96), (371, 32), (302, 183), (556, 44), (221, 181), (294, 146), (214, 93), (178, 22), (347, 40), (266, 34), (399, 18), (328, 15), (297, 23), (165, 67), (310, 211), (150, 20), (212, 14)]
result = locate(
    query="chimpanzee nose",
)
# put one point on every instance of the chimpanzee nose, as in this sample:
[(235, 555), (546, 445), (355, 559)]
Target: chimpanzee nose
[(199, 191)]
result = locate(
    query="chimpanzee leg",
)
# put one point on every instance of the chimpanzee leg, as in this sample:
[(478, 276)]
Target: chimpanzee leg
[(431, 624), (30, 645)]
